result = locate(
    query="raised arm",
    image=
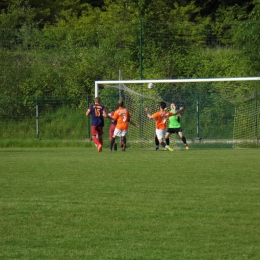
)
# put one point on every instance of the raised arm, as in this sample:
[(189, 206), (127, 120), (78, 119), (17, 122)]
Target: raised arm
[(133, 123), (147, 112), (178, 111)]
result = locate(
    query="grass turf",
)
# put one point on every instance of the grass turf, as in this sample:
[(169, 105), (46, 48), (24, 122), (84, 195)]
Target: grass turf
[(75, 203)]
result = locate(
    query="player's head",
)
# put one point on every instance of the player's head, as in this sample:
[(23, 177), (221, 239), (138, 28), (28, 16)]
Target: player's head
[(162, 105), (120, 103), (173, 106), (97, 100)]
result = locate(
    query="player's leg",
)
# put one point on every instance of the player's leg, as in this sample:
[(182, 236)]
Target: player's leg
[(167, 137), (123, 143), (183, 138), (112, 142), (123, 140), (111, 133), (115, 144), (156, 142), (160, 135), (100, 137), (113, 139), (95, 138)]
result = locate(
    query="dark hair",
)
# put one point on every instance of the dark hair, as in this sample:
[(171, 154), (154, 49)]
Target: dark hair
[(120, 103), (162, 104)]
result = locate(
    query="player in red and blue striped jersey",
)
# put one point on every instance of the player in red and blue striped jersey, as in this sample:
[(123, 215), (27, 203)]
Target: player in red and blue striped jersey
[(97, 112)]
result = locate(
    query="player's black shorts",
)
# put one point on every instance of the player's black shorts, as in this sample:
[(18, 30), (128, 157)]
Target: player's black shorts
[(174, 130)]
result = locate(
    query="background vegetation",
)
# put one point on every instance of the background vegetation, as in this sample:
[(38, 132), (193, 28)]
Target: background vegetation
[(58, 49)]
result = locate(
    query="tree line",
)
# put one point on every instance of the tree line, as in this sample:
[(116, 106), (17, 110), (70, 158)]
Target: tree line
[(59, 48)]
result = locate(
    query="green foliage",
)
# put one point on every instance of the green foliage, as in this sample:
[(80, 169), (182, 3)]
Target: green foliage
[(187, 25), (60, 48), (226, 20), (17, 25), (39, 143), (247, 36), (60, 118)]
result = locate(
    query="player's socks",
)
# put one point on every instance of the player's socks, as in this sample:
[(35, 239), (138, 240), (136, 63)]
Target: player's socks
[(96, 141), (123, 143), (163, 144), (185, 142), (156, 140), (112, 143)]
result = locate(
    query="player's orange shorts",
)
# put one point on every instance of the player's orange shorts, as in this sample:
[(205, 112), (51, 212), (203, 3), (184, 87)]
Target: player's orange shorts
[(97, 130)]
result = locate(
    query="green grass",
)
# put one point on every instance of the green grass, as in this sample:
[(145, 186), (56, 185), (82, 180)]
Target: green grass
[(33, 143), (75, 203)]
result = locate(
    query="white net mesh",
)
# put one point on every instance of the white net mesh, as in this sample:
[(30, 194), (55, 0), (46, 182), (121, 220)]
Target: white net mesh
[(246, 124), (135, 102), (210, 118)]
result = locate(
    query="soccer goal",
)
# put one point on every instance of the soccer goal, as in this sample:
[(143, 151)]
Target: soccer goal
[(219, 112), (246, 122)]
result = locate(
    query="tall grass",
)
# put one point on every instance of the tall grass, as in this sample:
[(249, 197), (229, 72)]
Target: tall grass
[(34, 143), (67, 123)]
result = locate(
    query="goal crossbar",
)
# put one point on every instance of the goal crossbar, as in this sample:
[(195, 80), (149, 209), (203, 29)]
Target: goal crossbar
[(144, 81)]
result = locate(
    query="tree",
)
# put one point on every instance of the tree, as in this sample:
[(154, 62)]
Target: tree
[(17, 25), (247, 38), (94, 3), (225, 22), (210, 7)]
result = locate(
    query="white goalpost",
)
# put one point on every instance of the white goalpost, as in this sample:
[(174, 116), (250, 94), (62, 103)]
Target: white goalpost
[(137, 96), (147, 81)]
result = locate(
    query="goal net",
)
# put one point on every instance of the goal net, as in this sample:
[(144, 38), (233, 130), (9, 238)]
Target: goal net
[(135, 100), (246, 122), (211, 118)]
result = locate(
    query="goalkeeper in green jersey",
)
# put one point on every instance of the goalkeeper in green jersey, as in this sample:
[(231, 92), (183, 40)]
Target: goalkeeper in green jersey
[(174, 127)]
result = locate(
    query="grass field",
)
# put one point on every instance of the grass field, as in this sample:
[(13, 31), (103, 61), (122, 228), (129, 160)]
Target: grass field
[(75, 203)]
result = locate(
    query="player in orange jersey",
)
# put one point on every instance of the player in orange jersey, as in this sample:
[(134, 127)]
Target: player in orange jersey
[(122, 118), (161, 117)]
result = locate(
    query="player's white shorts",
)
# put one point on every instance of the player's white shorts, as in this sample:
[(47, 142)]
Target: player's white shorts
[(118, 132), (160, 133)]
